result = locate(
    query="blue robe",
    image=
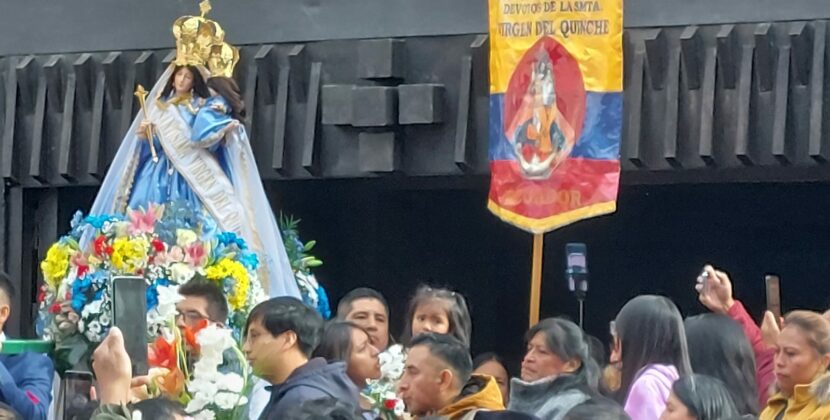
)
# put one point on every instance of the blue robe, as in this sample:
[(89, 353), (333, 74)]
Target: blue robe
[(160, 182)]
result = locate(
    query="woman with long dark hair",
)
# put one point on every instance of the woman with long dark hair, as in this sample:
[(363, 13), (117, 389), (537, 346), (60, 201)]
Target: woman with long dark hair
[(699, 397), (344, 341), (652, 343), (491, 364), (558, 372), (717, 297), (719, 348)]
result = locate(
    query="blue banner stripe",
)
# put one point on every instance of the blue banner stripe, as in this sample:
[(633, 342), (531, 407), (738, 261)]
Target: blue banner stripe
[(600, 138)]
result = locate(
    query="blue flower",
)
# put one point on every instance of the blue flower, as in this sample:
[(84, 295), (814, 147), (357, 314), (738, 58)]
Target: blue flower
[(152, 293), (230, 238), (98, 221), (323, 306), (80, 288), (249, 260), (77, 219)]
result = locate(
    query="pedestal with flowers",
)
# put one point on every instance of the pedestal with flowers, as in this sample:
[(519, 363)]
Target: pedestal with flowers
[(168, 246)]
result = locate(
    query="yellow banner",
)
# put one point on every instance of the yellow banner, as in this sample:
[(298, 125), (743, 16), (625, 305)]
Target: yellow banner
[(583, 27)]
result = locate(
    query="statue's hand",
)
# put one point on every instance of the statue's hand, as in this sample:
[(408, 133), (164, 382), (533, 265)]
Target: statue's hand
[(143, 126)]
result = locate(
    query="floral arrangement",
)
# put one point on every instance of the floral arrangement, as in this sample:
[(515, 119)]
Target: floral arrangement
[(168, 246), (381, 392), (216, 384), (302, 262)]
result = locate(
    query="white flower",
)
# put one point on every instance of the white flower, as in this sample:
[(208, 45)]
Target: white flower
[(232, 382), (203, 394), (185, 237), (104, 319), (93, 308), (204, 415), (399, 408), (106, 228), (392, 362), (168, 297), (213, 339), (181, 273), (227, 400)]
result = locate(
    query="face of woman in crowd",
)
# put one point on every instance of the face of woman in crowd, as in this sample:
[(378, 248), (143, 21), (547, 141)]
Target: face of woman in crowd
[(183, 81), (499, 373), (797, 362), (676, 410), (363, 361), (430, 317), (540, 362)]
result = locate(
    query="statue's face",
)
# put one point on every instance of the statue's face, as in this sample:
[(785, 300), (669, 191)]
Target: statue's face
[(183, 81)]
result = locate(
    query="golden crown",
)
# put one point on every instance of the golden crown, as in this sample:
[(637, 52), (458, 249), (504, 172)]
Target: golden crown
[(201, 42)]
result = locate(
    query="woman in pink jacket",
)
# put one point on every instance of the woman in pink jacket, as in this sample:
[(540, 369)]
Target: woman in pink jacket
[(652, 343)]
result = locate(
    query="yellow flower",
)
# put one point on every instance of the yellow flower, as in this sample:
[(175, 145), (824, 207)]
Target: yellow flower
[(56, 264), (128, 255), (226, 268)]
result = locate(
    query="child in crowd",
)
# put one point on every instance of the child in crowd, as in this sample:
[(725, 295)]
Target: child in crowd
[(440, 311)]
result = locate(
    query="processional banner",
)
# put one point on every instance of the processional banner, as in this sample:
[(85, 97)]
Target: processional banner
[(555, 110)]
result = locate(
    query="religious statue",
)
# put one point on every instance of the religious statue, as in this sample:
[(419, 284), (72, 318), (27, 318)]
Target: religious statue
[(188, 146)]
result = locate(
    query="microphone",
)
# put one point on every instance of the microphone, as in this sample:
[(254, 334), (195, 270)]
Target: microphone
[(576, 271)]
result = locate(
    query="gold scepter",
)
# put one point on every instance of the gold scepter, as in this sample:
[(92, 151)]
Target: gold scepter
[(141, 94)]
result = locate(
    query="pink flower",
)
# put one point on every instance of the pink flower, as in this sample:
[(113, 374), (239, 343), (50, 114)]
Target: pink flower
[(79, 260), (176, 254), (141, 221), (196, 254)]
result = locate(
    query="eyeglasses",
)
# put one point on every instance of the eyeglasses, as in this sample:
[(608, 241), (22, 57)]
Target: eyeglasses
[(190, 317)]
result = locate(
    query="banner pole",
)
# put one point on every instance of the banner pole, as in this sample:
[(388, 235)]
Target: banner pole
[(536, 277)]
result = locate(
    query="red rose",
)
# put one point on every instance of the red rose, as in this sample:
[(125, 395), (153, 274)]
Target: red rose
[(82, 269), (41, 296), (99, 244), (55, 309), (390, 404), (108, 250), (157, 245)]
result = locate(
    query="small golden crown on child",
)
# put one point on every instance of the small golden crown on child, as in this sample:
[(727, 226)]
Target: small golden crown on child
[(201, 42)]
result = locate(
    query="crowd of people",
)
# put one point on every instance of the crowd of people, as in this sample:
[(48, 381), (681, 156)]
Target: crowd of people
[(714, 366)]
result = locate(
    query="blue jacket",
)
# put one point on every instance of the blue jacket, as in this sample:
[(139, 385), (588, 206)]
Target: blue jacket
[(314, 380), (26, 383)]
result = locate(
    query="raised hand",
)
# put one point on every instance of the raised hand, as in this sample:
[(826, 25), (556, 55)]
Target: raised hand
[(113, 370), (770, 328), (715, 292)]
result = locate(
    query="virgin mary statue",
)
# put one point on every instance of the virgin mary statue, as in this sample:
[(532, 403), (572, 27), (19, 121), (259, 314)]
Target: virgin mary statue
[(211, 167)]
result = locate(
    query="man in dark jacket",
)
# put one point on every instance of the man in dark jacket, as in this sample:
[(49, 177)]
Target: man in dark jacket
[(438, 383), (280, 335)]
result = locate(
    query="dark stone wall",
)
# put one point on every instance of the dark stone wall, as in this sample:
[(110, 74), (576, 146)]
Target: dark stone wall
[(44, 26)]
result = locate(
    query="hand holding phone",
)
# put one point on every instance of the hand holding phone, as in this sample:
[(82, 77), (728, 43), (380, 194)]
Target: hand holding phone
[(76, 390), (773, 285), (714, 290), (129, 302)]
